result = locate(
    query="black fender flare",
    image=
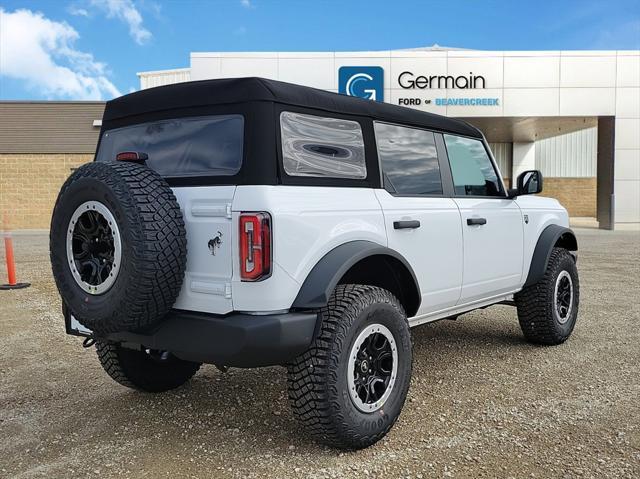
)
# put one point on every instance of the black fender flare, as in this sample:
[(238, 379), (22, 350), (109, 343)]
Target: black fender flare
[(325, 275), (549, 237)]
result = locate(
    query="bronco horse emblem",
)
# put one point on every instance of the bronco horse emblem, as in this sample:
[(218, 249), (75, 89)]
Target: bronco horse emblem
[(215, 243)]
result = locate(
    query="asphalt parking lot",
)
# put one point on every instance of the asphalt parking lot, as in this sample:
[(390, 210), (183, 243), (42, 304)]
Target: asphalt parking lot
[(482, 403)]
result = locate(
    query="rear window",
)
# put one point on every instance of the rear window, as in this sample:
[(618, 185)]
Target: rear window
[(179, 147)]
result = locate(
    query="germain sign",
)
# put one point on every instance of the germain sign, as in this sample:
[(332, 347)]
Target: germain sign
[(368, 82), (362, 81), (408, 80)]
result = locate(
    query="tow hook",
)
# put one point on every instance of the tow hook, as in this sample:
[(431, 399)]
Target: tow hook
[(158, 355), (88, 342)]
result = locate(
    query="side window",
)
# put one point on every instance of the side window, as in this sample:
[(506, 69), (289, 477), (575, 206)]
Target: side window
[(409, 160), (322, 147), (471, 168)]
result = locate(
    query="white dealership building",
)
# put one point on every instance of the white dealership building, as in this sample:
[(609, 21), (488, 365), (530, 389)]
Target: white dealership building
[(575, 115)]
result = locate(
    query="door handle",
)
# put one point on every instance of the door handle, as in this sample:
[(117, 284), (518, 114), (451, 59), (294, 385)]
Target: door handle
[(406, 224), (476, 221)]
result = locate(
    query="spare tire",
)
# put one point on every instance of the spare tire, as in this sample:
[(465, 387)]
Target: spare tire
[(118, 246)]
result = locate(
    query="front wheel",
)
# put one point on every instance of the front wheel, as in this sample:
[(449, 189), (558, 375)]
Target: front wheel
[(349, 387), (548, 310)]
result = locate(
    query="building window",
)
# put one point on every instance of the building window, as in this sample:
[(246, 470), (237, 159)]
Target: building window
[(409, 160), (322, 147), (472, 170)]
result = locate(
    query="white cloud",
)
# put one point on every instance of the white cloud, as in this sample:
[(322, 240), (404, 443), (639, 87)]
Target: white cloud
[(41, 52), (125, 11), (77, 11), (246, 3)]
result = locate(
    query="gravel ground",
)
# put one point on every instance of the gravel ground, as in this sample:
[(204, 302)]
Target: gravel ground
[(482, 402)]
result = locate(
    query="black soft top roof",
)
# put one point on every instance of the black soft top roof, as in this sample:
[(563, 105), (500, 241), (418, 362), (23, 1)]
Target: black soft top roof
[(243, 90)]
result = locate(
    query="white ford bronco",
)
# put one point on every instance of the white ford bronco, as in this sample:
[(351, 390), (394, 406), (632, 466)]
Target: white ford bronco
[(249, 222)]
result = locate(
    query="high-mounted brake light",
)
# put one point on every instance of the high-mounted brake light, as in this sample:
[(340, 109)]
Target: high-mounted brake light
[(255, 246), (132, 156)]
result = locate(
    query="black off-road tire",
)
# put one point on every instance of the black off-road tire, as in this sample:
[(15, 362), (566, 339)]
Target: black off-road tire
[(153, 246), (139, 370), (537, 312), (317, 380)]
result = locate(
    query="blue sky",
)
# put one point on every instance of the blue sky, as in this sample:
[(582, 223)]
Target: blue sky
[(92, 49)]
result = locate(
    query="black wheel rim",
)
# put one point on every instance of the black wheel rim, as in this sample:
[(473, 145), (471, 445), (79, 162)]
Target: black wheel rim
[(93, 247), (372, 368), (564, 296)]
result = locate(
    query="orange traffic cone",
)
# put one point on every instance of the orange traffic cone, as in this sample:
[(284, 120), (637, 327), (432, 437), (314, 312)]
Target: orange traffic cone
[(11, 265)]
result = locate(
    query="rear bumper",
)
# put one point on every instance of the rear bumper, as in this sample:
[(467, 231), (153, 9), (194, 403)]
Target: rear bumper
[(239, 340)]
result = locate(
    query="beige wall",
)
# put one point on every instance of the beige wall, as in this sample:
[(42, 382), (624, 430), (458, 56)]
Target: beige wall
[(29, 186), (577, 195)]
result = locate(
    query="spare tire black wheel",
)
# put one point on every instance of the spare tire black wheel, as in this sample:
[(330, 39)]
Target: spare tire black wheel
[(118, 246)]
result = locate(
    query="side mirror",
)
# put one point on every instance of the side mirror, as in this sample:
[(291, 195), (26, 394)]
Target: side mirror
[(529, 183)]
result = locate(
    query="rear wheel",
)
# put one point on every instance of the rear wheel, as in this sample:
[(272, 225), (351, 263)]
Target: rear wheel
[(349, 387), (148, 370), (548, 310)]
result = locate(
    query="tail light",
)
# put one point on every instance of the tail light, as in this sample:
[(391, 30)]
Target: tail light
[(255, 246), (132, 156)]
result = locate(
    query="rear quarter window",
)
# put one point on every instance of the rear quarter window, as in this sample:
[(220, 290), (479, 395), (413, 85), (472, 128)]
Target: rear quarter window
[(322, 147), (182, 147)]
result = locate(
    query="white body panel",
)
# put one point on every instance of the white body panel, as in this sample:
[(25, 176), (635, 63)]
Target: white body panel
[(493, 252), (458, 267), (434, 250), (541, 212), (207, 214), (308, 222)]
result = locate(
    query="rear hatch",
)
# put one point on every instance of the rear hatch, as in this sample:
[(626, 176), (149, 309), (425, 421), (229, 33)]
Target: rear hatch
[(191, 153)]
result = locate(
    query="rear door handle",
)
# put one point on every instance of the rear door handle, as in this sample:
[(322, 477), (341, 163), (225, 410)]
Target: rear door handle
[(476, 221), (406, 224)]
